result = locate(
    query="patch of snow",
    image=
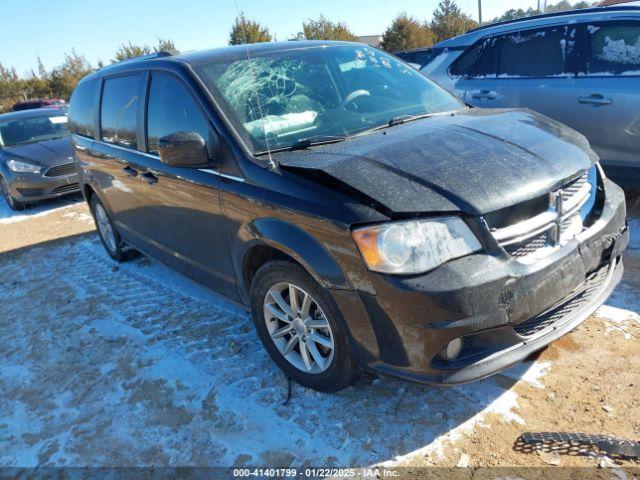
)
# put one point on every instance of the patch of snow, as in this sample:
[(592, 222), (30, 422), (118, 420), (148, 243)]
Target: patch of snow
[(166, 372), (617, 315), (503, 405), (520, 38), (140, 358), (38, 210), (617, 51), (626, 73), (80, 216), (153, 270), (530, 373)]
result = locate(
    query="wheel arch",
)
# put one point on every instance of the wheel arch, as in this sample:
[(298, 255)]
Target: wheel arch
[(276, 239), (88, 191)]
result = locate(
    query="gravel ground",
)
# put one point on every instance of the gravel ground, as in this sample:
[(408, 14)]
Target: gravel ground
[(135, 365)]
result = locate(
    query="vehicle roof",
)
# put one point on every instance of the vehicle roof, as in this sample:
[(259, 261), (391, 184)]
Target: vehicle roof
[(222, 53), (31, 113), (556, 18)]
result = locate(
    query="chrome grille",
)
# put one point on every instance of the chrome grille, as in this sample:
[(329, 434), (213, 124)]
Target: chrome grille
[(529, 246), (547, 231), (569, 190), (61, 170)]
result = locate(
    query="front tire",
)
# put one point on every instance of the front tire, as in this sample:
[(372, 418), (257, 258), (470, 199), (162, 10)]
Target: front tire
[(301, 327), (6, 193), (108, 233)]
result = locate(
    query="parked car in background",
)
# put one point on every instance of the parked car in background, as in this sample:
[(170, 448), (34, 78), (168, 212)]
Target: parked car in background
[(39, 103), (367, 218), (36, 159), (579, 67)]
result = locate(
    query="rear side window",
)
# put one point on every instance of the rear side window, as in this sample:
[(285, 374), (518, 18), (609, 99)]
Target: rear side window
[(614, 48), (171, 109), (521, 54), (535, 53), (82, 108), (119, 111)]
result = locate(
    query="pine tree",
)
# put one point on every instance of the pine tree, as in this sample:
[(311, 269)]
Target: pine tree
[(449, 21), (248, 31)]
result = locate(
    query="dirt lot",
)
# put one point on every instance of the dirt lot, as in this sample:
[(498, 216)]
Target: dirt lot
[(135, 365)]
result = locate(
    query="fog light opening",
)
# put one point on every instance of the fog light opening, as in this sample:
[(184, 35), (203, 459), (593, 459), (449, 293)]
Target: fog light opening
[(452, 350)]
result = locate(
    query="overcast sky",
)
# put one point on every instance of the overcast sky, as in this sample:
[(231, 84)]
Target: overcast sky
[(49, 28)]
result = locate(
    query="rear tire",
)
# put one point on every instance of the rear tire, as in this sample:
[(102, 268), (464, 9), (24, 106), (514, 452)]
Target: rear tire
[(309, 343), (109, 236), (12, 202)]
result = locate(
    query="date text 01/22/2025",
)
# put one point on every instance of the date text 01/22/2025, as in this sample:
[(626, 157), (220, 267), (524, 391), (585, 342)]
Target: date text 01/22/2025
[(315, 473)]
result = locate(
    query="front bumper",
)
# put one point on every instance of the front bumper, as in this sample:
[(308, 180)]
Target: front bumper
[(502, 310), (29, 187)]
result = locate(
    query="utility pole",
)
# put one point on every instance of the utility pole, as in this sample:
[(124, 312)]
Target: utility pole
[(538, 7), (479, 12), (545, 6)]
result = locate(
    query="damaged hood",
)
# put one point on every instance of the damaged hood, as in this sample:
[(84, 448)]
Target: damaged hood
[(475, 161)]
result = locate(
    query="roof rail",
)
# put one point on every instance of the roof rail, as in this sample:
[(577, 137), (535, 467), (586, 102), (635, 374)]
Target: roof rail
[(615, 8), (149, 56), (139, 58)]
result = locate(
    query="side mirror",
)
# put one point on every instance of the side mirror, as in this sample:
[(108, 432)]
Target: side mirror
[(183, 149)]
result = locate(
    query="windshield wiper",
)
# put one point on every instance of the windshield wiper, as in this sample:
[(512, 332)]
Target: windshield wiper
[(306, 142), (399, 120)]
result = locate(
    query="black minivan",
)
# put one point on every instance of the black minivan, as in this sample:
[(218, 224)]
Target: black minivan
[(369, 219)]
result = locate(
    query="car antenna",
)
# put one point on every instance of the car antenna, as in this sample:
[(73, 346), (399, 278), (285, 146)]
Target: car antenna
[(272, 163)]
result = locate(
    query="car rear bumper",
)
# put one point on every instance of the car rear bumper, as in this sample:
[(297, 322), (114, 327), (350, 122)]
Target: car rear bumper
[(32, 188), (501, 309)]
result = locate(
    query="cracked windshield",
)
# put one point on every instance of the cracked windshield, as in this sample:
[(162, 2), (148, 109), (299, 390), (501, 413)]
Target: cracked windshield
[(278, 99)]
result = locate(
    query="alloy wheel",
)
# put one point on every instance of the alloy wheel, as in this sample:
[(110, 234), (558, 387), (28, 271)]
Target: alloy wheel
[(299, 328), (105, 228)]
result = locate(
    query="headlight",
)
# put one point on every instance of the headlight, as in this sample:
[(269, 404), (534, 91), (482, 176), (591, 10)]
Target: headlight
[(23, 167), (415, 246)]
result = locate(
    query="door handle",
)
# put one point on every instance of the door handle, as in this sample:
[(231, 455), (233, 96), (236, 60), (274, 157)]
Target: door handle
[(150, 178), (484, 95), (595, 100), (131, 172)]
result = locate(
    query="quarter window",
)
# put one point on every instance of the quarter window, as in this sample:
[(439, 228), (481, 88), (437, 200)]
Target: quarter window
[(172, 109), (119, 111), (481, 60), (614, 48)]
